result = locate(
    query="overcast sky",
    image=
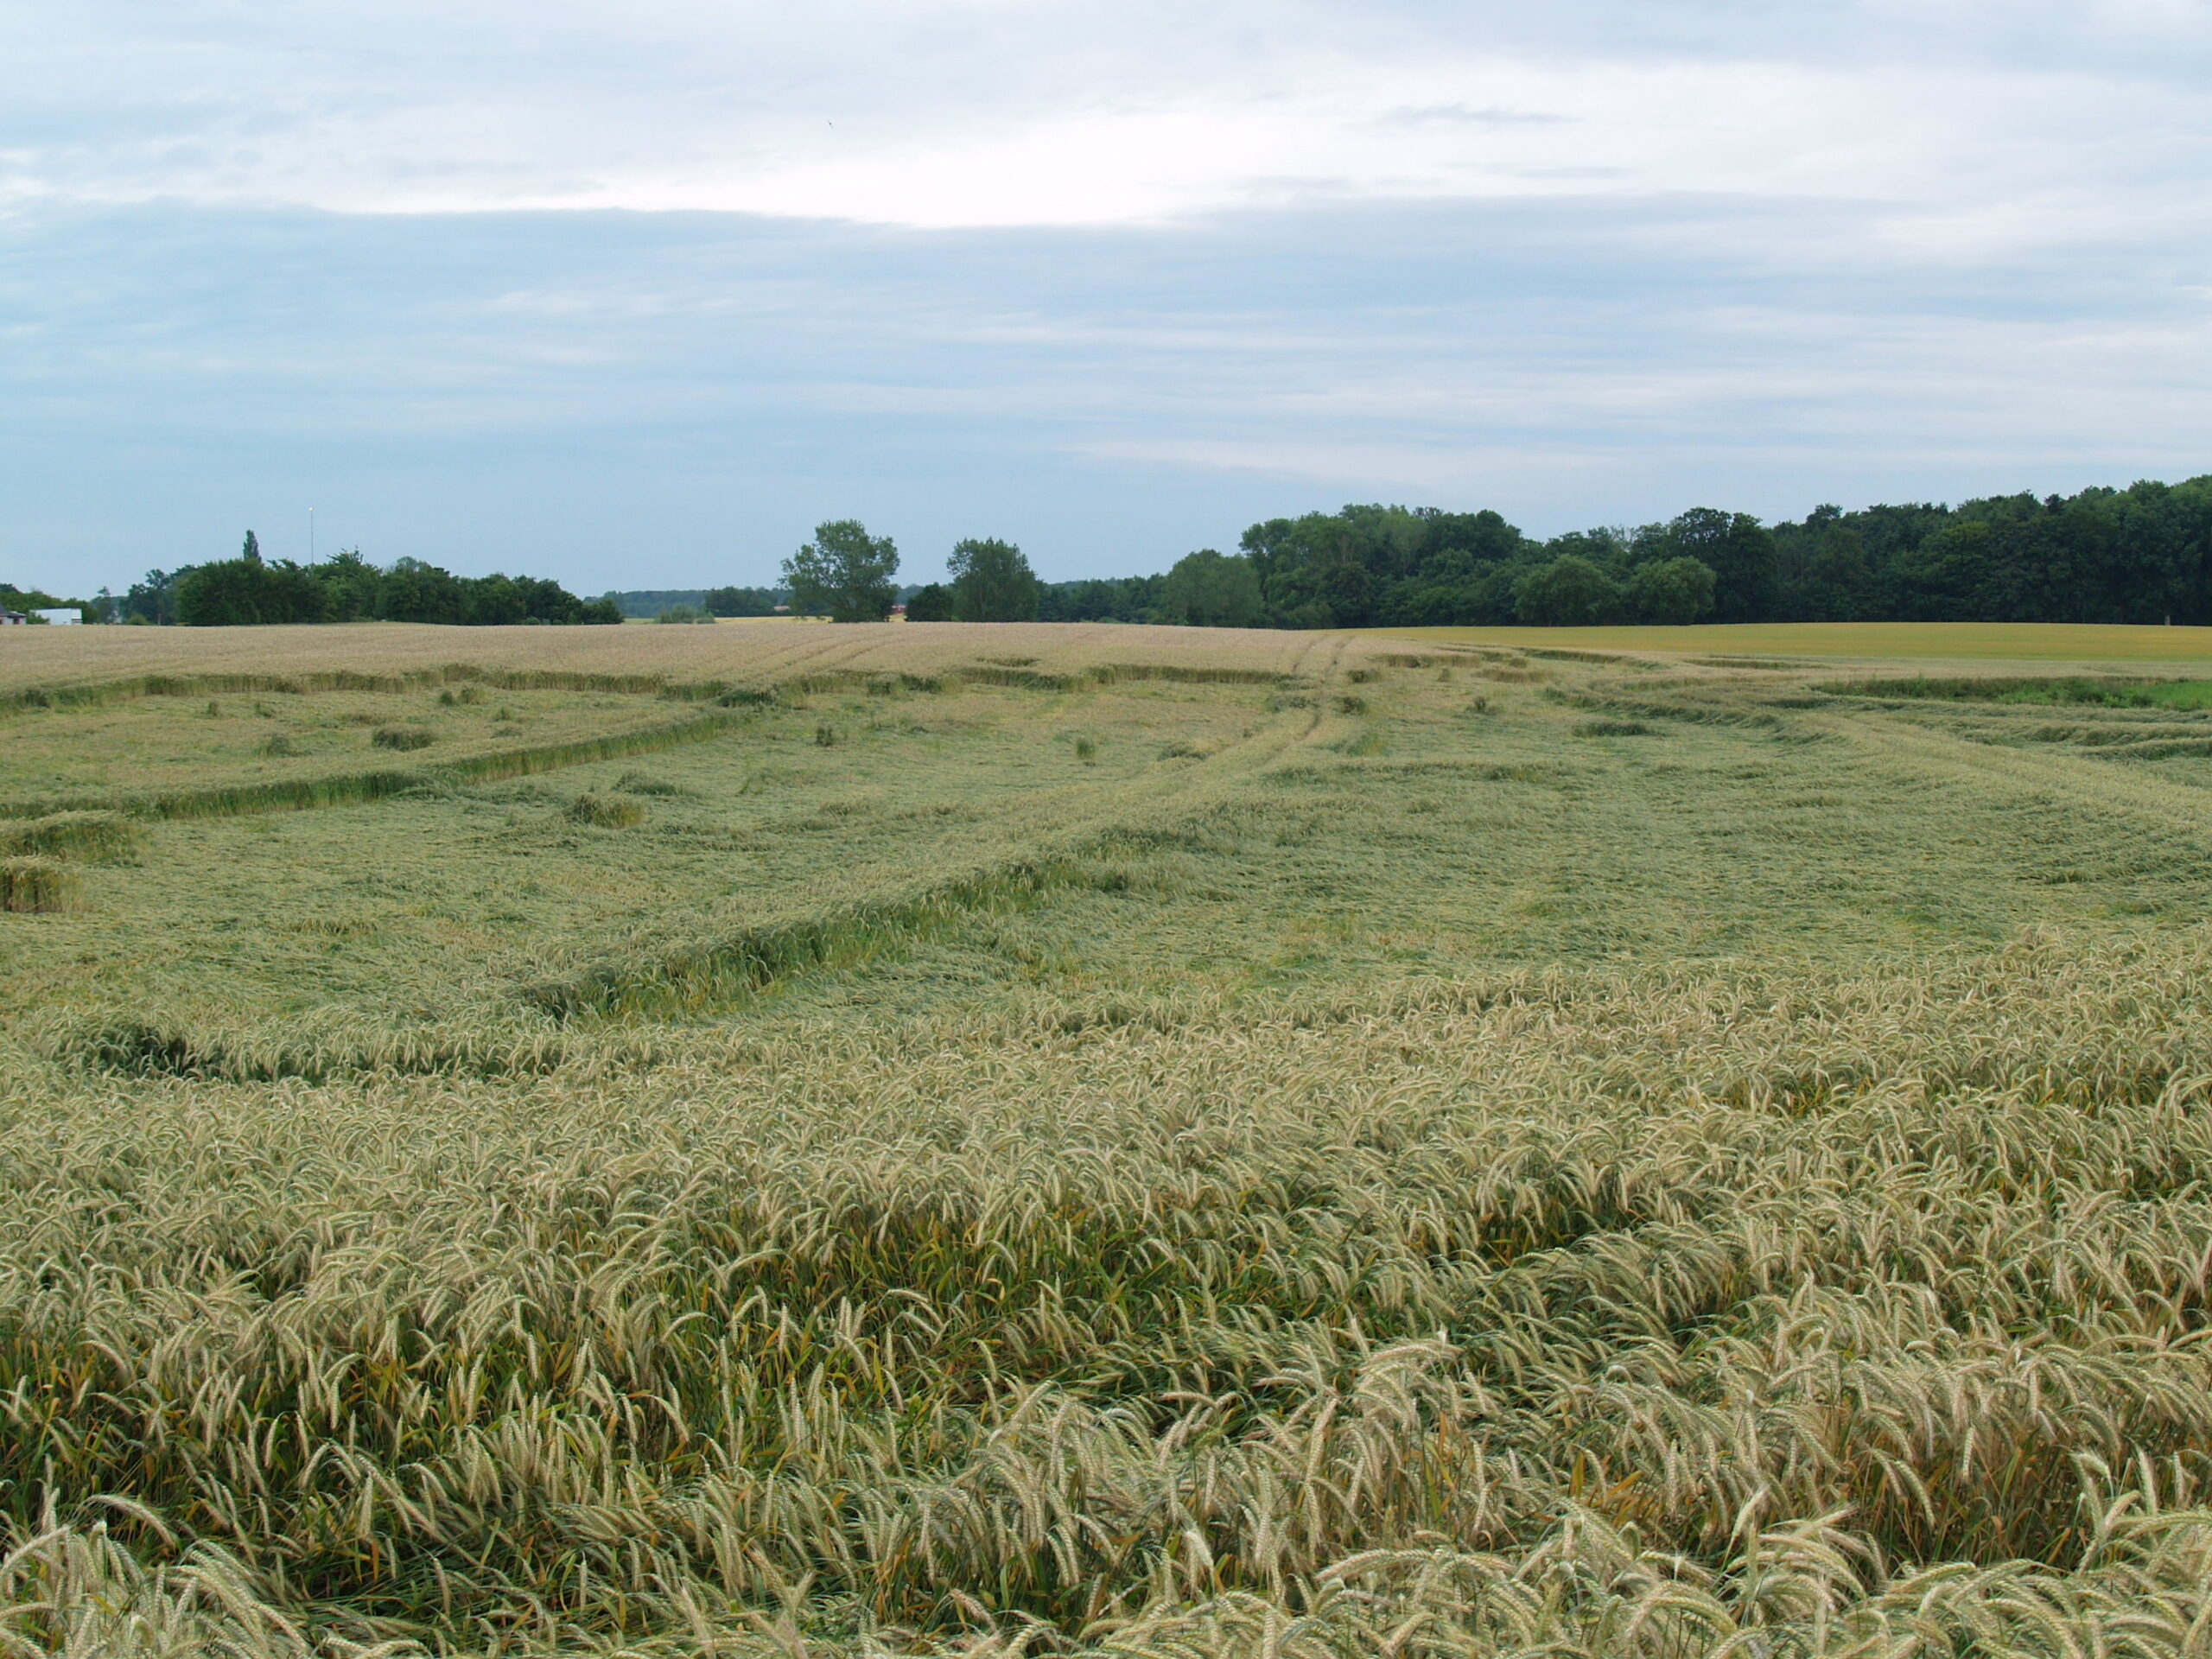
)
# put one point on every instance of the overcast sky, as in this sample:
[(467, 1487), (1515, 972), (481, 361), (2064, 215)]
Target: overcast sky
[(634, 295)]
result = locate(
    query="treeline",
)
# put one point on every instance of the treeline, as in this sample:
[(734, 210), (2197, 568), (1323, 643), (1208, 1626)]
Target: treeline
[(1204, 590), (346, 587), (708, 601), (31, 599), (992, 582), (2141, 555)]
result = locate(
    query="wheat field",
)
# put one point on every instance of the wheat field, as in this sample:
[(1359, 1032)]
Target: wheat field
[(1006, 1140)]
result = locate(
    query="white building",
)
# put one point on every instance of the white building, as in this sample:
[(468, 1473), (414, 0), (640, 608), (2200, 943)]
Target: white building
[(61, 616)]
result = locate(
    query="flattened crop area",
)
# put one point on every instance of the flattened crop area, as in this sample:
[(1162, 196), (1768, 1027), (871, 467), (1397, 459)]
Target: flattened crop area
[(977, 1140)]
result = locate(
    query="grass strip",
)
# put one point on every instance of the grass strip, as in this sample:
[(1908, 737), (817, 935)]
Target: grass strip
[(2111, 693), (1700, 713), (31, 884), (1035, 679), (542, 1033), (101, 693), (711, 971), (348, 789), (318, 1049), (85, 835)]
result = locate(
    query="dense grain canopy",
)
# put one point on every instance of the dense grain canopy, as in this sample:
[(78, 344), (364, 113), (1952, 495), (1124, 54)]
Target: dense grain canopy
[(1193, 1146)]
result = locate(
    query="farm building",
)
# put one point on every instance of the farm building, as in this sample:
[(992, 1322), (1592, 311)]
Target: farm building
[(13, 618), (61, 615)]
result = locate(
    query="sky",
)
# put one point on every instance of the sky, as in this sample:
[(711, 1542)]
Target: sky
[(634, 295)]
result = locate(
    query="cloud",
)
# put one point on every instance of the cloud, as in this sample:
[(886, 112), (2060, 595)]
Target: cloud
[(683, 395), (647, 290), (1460, 115), (972, 114)]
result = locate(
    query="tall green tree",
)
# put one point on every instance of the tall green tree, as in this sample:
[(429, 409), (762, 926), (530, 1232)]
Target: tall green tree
[(1736, 548), (1949, 577), (413, 591), (349, 584), (932, 603), (1836, 582), (1209, 589), (991, 582), (1569, 593), (1669, 591), (243, 592), (1390, 565), (843, 573), (153, 598)]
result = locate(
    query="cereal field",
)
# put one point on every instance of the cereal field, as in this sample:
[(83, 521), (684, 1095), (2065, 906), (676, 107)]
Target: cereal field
[(775, 1139), (1955, 641)]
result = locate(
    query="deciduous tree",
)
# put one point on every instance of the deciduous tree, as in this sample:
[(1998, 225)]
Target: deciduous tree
[(843, 573), (1569, 592), (933, 603), (1209, 589), (991, 582), (1669, 591)]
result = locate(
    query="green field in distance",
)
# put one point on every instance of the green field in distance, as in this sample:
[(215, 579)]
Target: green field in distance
[(2068, 642)]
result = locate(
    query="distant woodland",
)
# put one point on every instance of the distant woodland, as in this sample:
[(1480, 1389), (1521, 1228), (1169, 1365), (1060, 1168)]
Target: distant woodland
[(2141, 554), (345, 588)]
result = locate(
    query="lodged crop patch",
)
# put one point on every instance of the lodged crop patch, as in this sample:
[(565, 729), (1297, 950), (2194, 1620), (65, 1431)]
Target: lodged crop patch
[(1289, 1161)]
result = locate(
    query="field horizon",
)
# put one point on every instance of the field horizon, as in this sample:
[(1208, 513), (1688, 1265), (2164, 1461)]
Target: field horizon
[(1009, 1140), (64, 655), (2084, 643)]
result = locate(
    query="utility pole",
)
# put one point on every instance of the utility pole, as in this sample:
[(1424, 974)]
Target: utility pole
[(310, 535)]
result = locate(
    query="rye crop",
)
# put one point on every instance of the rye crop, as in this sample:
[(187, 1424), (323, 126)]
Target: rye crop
[(1119, 1153)]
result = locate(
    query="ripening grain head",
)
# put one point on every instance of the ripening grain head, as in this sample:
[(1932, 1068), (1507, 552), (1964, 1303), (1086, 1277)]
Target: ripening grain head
[(1263, 1176)]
